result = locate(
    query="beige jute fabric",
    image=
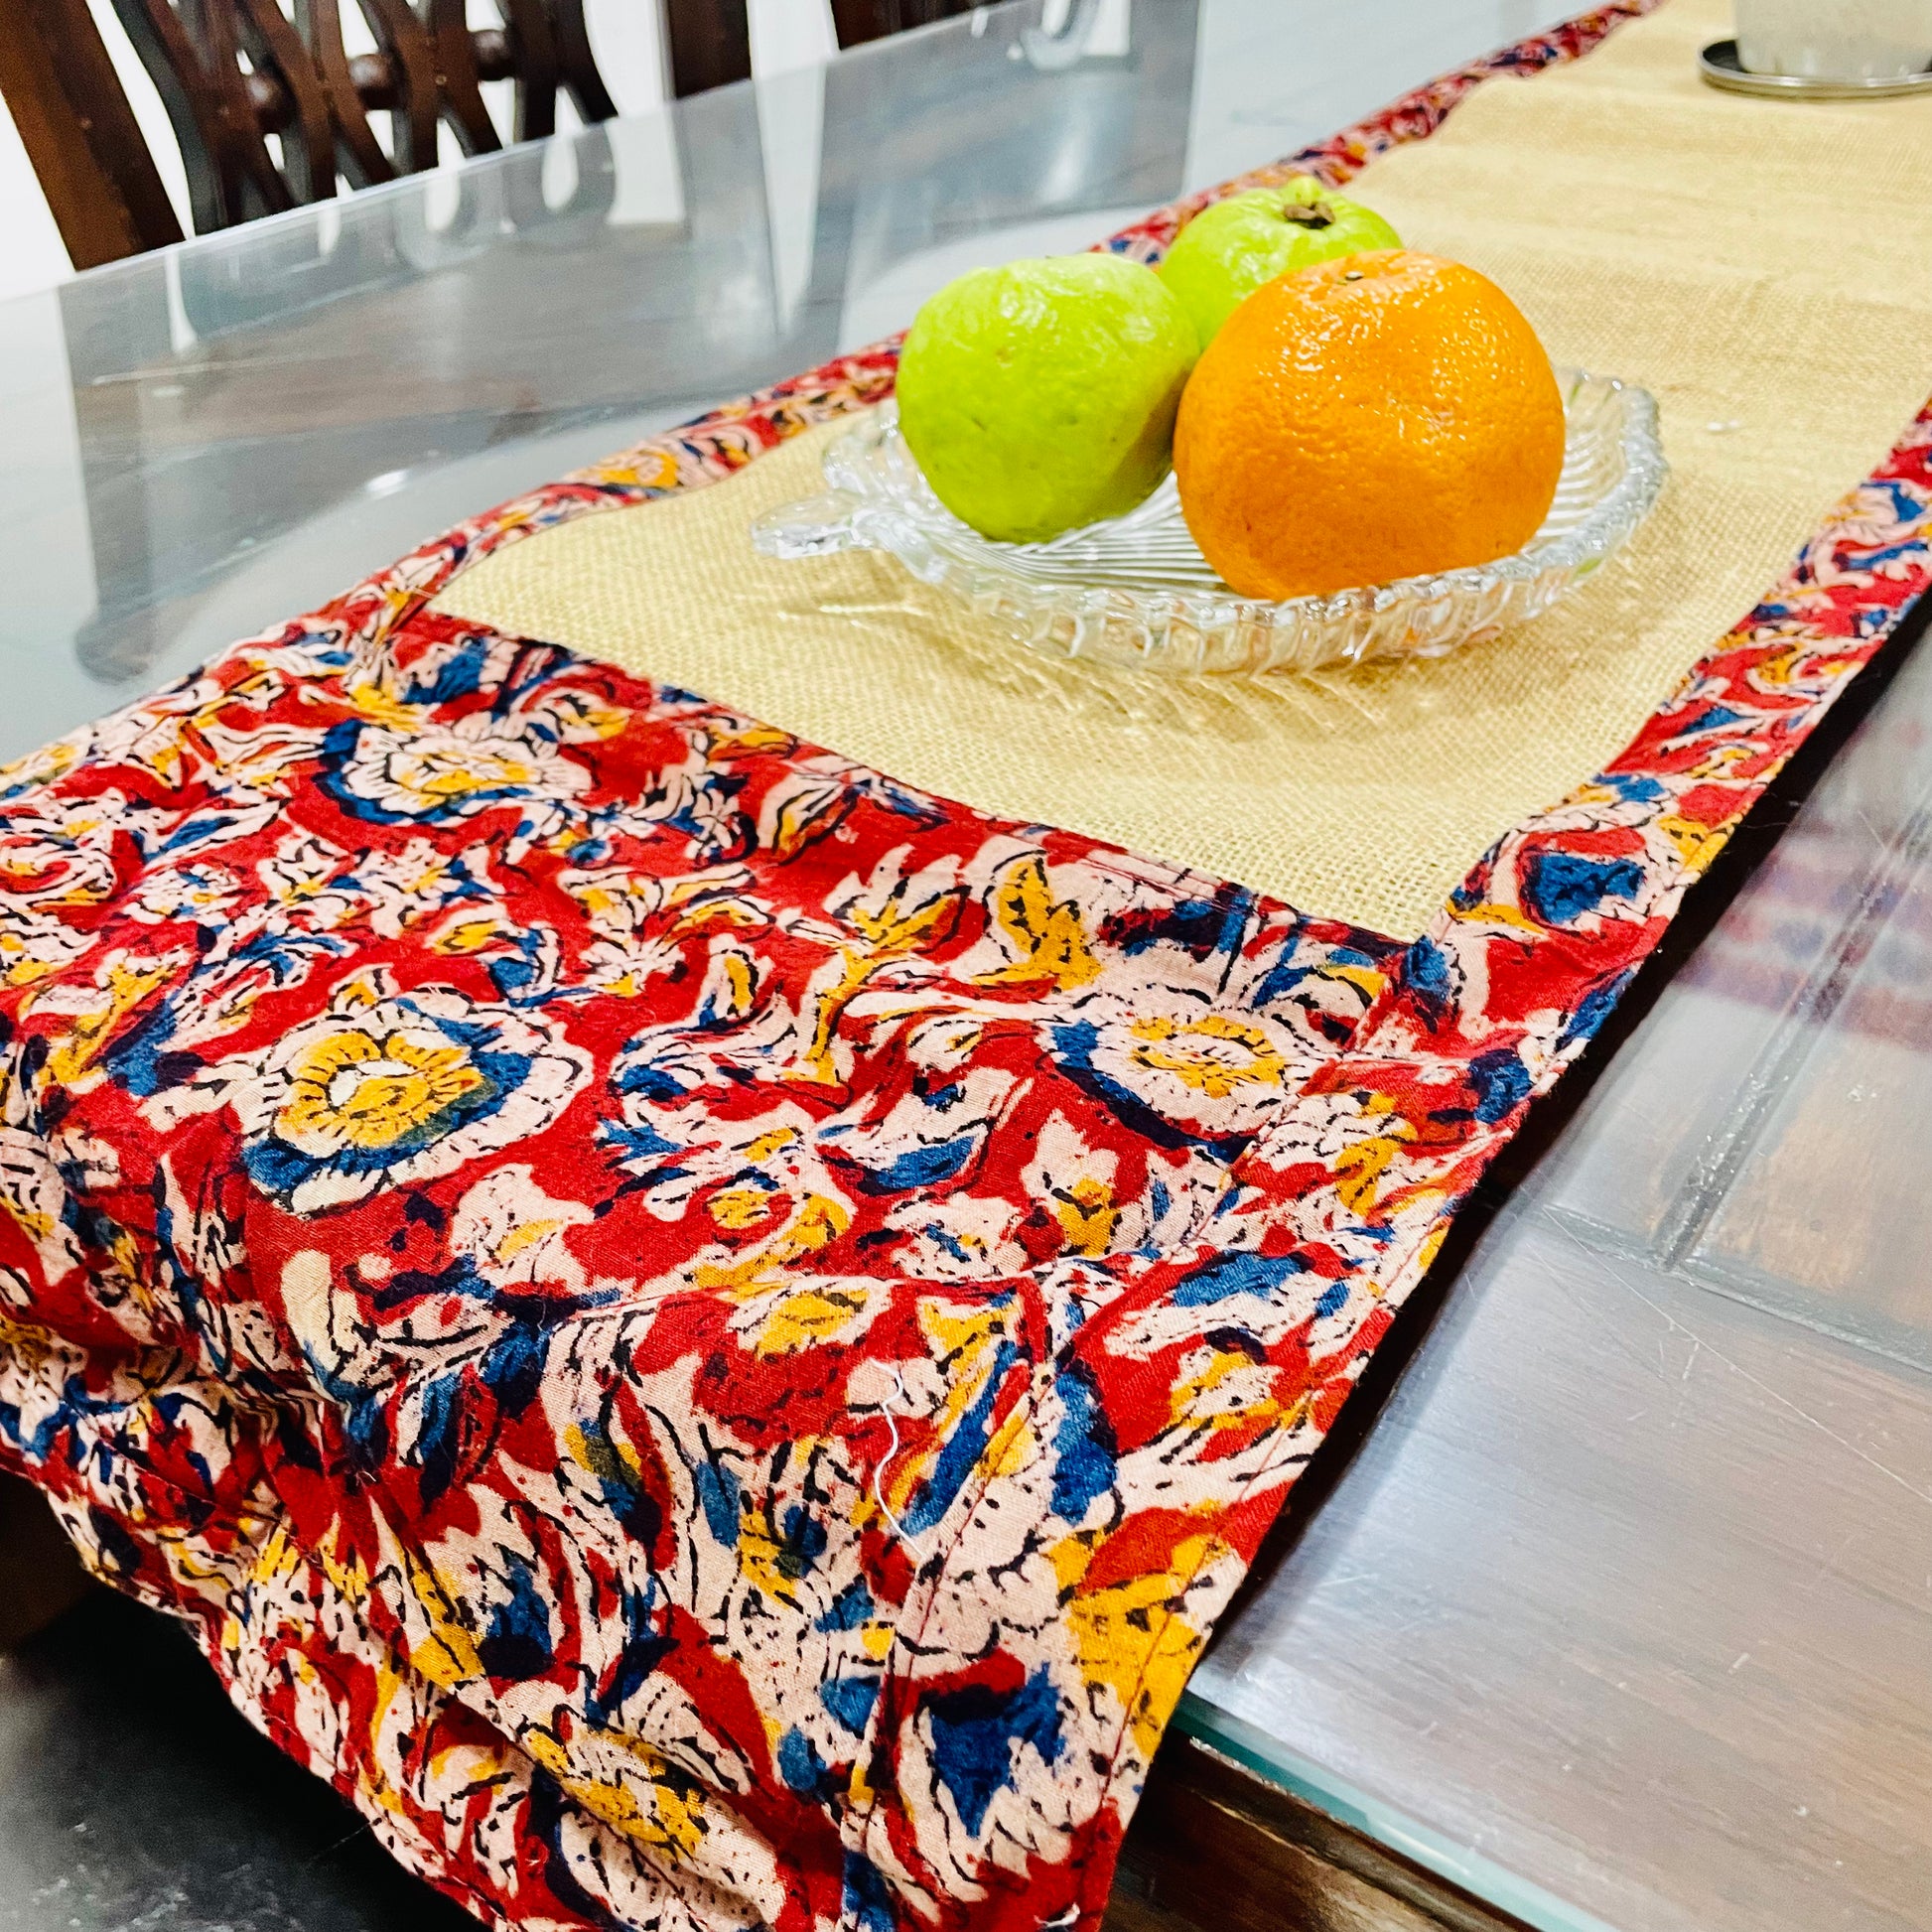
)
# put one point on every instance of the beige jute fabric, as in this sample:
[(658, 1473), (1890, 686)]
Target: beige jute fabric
[(1761, 268)]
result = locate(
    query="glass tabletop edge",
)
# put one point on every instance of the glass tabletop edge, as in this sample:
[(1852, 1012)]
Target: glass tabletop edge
[(1350, 1806)]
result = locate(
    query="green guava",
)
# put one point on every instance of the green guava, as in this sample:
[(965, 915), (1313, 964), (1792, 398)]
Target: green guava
[(1228, 251), (1040, 396)]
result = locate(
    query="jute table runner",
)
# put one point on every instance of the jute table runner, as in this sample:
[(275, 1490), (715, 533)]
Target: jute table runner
[(1696, 244)]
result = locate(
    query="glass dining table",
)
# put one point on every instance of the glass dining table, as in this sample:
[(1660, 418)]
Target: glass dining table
[(1612, 1607)]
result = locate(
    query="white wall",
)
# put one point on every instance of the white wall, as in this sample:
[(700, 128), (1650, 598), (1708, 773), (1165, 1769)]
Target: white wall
[(625, 34)]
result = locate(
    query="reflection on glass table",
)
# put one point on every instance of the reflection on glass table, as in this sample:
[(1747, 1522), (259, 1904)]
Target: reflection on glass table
[(1622, 1615)]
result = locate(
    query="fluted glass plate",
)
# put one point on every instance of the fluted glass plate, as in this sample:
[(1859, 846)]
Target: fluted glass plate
[(1136, 591)]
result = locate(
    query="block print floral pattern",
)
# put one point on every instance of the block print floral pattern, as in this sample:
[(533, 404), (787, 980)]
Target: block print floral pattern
[(597, 1247), (381, 1091), (704, 1334)]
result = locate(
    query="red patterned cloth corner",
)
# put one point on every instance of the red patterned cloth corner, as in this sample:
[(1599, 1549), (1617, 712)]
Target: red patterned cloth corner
[(706, 1333)]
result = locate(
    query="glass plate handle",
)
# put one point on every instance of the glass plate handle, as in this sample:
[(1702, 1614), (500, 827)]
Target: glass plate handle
[(816, 527)]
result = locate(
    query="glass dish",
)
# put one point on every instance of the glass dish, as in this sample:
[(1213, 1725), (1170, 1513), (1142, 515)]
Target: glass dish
[(1136, 591)]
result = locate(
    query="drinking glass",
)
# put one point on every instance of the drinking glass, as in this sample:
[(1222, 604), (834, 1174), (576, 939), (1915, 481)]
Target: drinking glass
[(1836, 40)]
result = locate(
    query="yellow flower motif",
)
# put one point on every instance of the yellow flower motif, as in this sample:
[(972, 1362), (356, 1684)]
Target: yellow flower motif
[(42, 871), (42, 768), (817, 1221), (1045, 934), (354, 1089), (657, 1805), (1087, 1215), (965, 1341), (21, 964), (440, 1646), (1222, 1388), (889, 933), (439, 778), (470, 932), (1111, 1625), (441, 771), (1359, 1167), (644, 467), (384, 1090), (121, 983), (1492, 913), (1696, 844), (743, 1206), (806, 1318), (1214, 1053)]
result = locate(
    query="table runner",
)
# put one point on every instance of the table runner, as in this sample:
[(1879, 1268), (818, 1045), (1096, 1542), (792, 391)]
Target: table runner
[(1652, 228), (701, 1330)]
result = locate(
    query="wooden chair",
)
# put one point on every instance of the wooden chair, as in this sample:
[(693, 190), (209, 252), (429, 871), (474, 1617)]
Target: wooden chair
[(232, 74), (711, 40)]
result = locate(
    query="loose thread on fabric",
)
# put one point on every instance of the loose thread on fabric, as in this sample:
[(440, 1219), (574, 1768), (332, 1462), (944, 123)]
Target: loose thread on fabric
[(892, 1456)]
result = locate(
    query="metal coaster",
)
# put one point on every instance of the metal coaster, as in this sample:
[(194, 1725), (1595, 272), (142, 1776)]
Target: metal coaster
[(1718, 63)]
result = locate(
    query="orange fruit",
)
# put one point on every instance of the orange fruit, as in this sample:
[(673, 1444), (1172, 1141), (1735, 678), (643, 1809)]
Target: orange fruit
[(1385, 415)]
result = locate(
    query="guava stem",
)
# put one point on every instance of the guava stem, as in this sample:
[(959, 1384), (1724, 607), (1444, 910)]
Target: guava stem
[(1308, 214)]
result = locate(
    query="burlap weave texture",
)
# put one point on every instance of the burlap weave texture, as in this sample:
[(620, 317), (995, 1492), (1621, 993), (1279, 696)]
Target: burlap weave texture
[(1760, 268)]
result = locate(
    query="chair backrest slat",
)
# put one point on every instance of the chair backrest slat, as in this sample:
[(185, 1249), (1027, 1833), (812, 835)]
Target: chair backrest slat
[(73, 120), (454, 61), (710, 43), (193, 104), (536, 45), (360, 158), (576, 65), (859, 21), (406, 45), (301, 116)]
